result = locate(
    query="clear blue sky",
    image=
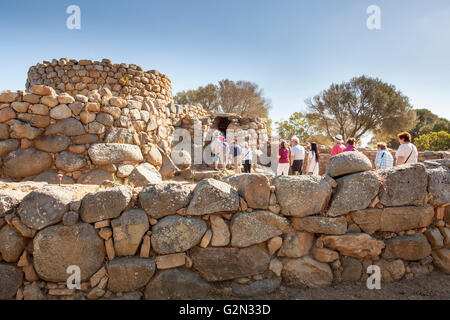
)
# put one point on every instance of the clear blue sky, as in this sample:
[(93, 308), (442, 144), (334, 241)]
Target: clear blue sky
[(292, 48)]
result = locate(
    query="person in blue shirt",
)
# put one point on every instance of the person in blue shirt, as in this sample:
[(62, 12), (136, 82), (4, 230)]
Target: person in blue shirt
[(235, 153), (384, 159)]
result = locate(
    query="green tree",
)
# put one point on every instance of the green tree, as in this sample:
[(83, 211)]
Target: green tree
[(206, 96), (428, 122), (433, 141), (296, 125), (241, 97), (362, 105)]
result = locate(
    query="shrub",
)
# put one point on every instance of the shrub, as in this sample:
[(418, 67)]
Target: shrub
[(433, 141)]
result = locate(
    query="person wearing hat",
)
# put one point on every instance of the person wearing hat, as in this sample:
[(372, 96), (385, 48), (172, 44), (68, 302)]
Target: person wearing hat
[(297, 156), (338, 145)]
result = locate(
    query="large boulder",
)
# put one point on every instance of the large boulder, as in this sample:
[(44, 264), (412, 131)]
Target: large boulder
[(69, 161), (58, 247), (256, 288), (220, 231), (7, 114), (302, 196), (153, 155), (10, 199), (352, 269), (410, 248), (347, 163), (439, 185), (249, 228), (296, 244), (67, 127), (52, 144), (7, 96), (4, 131), (356, 245), (144, 174), (11, 243), (110, 153), (177, 234), (105, 204), (308, 272), (119, 135), (160, 200), (253, 187), (95, 176), (318, 224), (391, 270), (394, 219), (23, 163), (11, 279), (35, 120), (441, 259), (23, 130), (128, 231), (404, 185), (44, 207), (179, 283), (129, 274), (85, 139), (220, 264), (211, 196), (8, 146), (354, 192), (168, 168)]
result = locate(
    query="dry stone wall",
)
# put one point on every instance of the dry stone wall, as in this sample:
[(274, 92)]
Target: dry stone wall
[(242, 236), (80, 77), (88, 138)]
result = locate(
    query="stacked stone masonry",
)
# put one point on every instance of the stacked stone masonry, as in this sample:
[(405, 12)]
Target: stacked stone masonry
[(80, 77), (88, 138), (242, 236), (94, 121)]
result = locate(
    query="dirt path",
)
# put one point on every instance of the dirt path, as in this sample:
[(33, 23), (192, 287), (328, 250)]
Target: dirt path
[(433, 286)]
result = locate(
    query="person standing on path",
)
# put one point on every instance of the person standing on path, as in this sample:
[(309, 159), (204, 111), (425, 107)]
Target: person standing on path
[(283, 160), (297, 156), (235, 152), (247, 158), (313, 160)]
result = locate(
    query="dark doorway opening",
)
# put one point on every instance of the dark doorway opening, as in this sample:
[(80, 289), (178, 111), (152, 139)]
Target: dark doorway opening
[(222, 123)]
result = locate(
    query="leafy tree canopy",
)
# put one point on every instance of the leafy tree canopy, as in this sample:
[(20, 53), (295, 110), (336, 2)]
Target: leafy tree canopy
[(362, 105), (296, 125), (241, 97)]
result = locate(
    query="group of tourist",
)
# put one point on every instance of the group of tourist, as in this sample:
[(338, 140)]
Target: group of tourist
[(234, 154), (406, 154), (291, 157)]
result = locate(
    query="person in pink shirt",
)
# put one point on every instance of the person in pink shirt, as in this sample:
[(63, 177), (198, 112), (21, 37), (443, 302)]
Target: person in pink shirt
[(283, 160), (338, 145), (351, 145)]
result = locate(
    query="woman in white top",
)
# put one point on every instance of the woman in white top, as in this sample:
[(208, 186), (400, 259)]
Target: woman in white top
[(247, 158), (313, 160), (407, 152)]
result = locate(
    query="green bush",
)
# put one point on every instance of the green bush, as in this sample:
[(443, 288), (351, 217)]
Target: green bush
[(433, 141)]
